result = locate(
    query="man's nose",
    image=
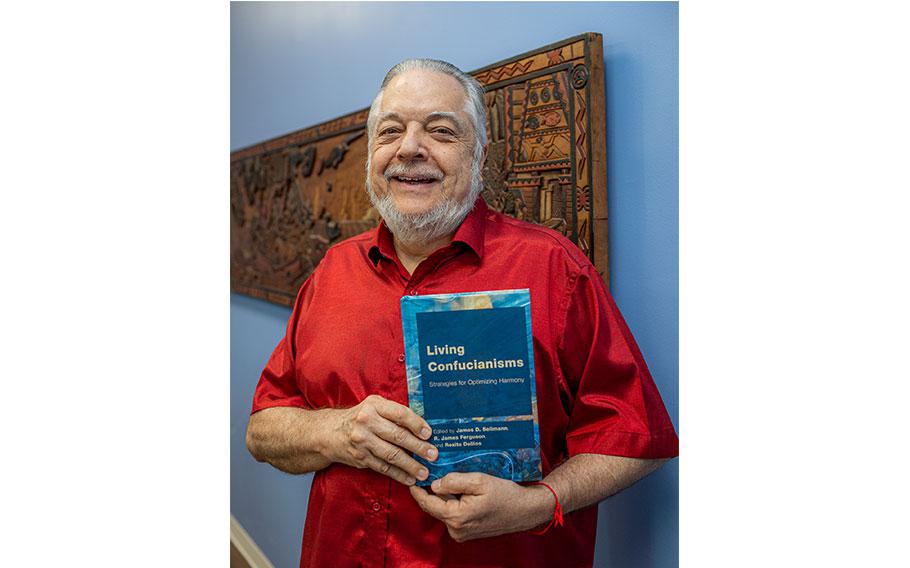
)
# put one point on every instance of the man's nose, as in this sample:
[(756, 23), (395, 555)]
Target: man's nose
[(412, 146)]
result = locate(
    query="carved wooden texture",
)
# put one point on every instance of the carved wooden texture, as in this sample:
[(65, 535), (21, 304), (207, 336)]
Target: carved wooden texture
[(294, 196)]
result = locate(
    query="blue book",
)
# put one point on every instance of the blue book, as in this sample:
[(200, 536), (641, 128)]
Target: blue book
[(470, 369)]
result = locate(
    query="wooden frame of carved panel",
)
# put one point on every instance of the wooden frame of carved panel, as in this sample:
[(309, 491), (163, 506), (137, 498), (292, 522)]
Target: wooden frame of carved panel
[(295, 195)]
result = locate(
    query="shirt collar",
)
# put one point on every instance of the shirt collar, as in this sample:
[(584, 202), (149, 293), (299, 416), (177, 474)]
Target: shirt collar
[(470, 232)]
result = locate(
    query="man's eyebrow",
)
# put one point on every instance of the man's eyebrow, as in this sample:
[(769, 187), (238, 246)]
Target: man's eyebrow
[(448, 115), (430, 117), (388, 116)]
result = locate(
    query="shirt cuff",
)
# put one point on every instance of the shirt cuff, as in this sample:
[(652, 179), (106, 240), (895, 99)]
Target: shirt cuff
[(625, 444), (296, 402)]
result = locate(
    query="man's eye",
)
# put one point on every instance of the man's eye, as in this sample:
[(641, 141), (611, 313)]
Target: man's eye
[(444, 131), (388, 131)]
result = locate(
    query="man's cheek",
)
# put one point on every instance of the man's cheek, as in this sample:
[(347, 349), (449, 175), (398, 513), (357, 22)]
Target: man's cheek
[(379, 184)]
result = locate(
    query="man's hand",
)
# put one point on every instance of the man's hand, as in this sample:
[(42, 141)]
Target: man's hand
[(379, 434), (476, 505)]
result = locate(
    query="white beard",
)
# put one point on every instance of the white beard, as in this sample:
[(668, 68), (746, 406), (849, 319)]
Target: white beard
[(443, 219)]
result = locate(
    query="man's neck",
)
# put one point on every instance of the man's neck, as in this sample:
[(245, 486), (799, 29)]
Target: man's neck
[(412, 254)]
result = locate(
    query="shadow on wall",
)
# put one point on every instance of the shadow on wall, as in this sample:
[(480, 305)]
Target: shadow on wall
[(627, 236), (627, 534)]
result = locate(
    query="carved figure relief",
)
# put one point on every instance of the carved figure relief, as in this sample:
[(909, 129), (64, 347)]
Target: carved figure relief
[(294, 196)]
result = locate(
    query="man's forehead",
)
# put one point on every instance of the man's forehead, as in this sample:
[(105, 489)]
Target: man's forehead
[(424, 91)]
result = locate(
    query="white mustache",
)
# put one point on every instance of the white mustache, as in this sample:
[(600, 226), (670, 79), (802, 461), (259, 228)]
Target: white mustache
[(403, 170)]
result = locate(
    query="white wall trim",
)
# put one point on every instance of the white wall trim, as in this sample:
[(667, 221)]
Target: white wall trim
[(247, 546)]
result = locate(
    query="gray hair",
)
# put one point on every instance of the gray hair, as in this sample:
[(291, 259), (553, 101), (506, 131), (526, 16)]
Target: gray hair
[(475, 107)]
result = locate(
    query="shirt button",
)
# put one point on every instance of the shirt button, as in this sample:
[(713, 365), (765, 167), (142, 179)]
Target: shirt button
[(401, 358), (376, 505), (413, 292)]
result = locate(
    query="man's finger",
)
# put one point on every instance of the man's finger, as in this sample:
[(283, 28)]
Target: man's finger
[(431, 504), (403, 438), (404, 416), (397, 456), (385, 468), (456, 483)]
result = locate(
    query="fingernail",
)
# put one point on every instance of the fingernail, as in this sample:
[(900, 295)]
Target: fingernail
[(423, 473), (432, 453), (425, 432), (435, 485)]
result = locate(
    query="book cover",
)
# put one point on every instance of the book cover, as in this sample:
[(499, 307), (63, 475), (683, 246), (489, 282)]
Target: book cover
[(470, 372)]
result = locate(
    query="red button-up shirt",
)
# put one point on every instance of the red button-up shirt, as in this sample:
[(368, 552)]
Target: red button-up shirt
[(344, 342)]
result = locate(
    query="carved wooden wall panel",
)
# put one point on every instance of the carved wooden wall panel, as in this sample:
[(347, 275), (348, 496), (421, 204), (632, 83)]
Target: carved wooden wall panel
[(294, 196)]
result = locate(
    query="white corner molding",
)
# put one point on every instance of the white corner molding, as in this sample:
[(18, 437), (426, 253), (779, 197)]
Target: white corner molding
[(245, 544)]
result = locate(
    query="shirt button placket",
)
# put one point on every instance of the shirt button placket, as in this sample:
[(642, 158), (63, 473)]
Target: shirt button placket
[(375, 534)]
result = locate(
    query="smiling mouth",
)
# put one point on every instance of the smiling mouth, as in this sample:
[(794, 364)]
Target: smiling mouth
[(415, 181)]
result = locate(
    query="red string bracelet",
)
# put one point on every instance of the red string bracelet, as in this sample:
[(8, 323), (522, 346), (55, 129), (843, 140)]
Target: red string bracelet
[(557, 512)]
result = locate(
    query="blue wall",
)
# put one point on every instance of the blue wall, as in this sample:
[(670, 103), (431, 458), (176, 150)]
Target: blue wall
[(297, 64)]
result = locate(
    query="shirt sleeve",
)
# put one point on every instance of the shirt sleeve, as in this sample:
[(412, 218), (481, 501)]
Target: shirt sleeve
[(616, 408), (278, 382)]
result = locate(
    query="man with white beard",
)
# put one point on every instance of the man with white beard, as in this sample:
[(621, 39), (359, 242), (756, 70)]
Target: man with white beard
[(333, 396)]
